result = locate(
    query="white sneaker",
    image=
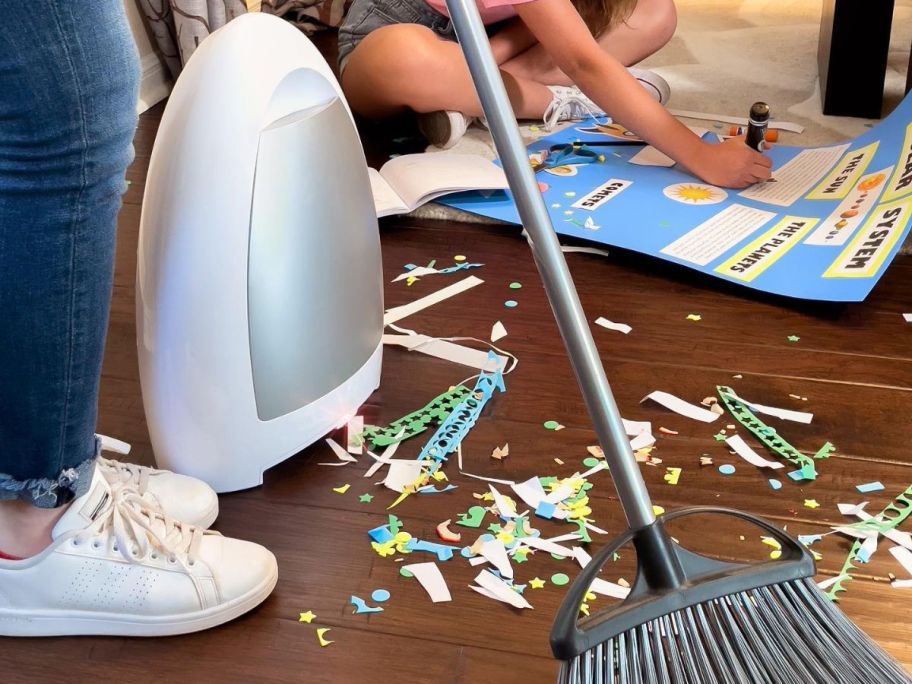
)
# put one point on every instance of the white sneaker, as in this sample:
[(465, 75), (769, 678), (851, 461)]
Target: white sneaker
[(118, 567), (654, 84), (444, 128), (180, 497), (571, 103)]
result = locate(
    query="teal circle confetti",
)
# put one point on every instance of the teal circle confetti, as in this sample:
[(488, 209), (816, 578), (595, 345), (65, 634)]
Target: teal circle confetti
[(590, 462), (727, 469), (559, 579), (551, 424), (515, 285), (380, 595), (511, 303)]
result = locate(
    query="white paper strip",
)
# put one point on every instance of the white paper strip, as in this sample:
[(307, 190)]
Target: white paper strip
[(606, 588), (784, 414), (416, 272), (904, 539), (502, 506), (496, 554), (594, 469), (868, 548), (497, 331), (397, 313), (827, 583), (448, 351), (907, 317), (430, 577), (634, 428), (500, 590), (620, 327), (642, 440), (737, 120), (530, 491), (385, 457), (559, 494), (353, 433), (681, 407), (904, 556), (744, 451), (402, 472), (341, 453), (902, 584), (546, 545)]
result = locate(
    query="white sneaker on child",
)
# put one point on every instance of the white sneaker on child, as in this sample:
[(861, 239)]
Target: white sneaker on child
[(444, 128), (118, 567), (183, 498), (570, 102)]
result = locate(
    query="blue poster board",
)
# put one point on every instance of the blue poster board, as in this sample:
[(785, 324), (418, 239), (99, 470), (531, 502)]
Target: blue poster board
[(826, 229)]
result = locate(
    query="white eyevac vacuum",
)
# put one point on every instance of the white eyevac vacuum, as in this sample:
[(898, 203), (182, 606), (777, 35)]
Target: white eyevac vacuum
[(259, 281)]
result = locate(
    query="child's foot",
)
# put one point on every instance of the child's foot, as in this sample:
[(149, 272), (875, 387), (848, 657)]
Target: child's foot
[(116, 566), (444, 128), (183, 498)]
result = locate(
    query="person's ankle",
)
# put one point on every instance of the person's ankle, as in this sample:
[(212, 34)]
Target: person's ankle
[(25, 530)]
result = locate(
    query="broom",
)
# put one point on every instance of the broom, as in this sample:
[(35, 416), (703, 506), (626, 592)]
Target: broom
[(688, 619)]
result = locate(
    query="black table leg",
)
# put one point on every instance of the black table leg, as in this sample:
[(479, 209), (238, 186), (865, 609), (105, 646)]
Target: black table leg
[(852, 56)]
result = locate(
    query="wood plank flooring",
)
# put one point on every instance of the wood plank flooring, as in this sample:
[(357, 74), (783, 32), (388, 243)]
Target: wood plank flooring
[(853, 363)]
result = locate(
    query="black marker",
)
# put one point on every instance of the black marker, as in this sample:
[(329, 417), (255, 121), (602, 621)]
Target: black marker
[(756, 125)]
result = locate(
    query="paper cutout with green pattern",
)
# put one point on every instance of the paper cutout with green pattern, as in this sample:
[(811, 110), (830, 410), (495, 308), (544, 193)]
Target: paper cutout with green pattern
[(418, 421)]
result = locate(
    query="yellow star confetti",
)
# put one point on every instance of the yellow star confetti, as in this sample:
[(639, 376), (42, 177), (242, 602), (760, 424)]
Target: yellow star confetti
[(307, 617), (811, 503), (536, 583), (320, 637)]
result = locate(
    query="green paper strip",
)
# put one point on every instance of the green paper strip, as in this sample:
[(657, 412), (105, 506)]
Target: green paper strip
[(767, 434), (418, 421), (888, 519)]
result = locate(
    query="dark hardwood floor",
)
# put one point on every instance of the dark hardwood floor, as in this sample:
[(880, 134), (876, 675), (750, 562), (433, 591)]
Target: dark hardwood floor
[(853, 363)]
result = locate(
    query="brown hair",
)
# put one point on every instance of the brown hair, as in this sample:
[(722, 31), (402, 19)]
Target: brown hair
[(602, 15)]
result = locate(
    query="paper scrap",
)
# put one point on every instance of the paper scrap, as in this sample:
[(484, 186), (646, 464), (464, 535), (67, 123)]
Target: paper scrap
[(307, 617), (784, 414), (399, 312), (495, 553), (620, 327), (321, 634), (681, 407), (500, 590), (672, 475), (904, 556), (448, 351), (353, 433), (775, 124), (740, 447), (497, 331), (907, 317), (500, 453), (503, 506), (547, 546), (870, 487), (342, 489), (641, 441), (402, 473), (341, 454), (650, 156), (431, 579)]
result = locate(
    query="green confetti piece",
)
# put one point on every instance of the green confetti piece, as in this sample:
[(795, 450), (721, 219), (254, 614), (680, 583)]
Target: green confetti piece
[(590, 462), (559, 579), (767, 434), (825, 451), (793, 338), (511, 303), (435, 412), (405, 573), (551, 425), (515, 285)]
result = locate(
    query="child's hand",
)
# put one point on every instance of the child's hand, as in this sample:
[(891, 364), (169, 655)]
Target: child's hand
[(732, 164)]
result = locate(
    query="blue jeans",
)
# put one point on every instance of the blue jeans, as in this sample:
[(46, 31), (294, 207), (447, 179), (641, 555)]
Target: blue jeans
[(68, 90)]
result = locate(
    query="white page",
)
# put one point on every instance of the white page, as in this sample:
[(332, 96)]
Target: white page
[(419, 178), (386, 201), (495, 553), (633, 428), (744, 451), (796, 177), (399, 312), (717, 234), (681, 407), (430, 577)]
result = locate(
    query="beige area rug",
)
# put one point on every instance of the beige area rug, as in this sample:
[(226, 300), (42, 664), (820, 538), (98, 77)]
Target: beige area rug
[(728, 53)]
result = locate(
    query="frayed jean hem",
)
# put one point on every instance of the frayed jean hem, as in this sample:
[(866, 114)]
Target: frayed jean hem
[(70, 484)]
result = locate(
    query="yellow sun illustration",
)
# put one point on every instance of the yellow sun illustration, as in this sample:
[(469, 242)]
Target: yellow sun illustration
[(695, 193)]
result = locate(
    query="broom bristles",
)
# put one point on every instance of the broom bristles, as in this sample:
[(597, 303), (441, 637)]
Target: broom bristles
[(787, 633)]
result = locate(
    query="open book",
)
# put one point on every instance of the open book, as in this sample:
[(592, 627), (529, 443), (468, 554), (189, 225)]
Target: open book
[(405, 183)]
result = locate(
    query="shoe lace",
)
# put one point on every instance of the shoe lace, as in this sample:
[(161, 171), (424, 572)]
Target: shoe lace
[(129, 474), (140, 530), (568, 106)]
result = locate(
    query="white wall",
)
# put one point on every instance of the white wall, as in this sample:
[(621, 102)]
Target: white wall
[(156, 84)]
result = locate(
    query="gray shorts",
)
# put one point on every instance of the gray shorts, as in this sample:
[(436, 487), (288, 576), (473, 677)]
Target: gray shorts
[(365, 16)]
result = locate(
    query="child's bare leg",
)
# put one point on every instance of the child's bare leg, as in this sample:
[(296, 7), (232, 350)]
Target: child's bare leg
[(649, 27), (409, 66)]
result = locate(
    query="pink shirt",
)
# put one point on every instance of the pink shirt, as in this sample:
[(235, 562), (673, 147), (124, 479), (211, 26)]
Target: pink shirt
[(491, 11)]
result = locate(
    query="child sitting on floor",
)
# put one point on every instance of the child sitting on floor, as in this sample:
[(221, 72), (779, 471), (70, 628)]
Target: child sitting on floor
[(559, 59)]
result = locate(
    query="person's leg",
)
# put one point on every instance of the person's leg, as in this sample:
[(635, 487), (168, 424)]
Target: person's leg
[(69, 78), (407, 66), (649, 27)]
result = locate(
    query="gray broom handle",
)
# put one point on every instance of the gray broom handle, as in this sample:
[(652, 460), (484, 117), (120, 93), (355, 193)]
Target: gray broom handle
[(552, 267)]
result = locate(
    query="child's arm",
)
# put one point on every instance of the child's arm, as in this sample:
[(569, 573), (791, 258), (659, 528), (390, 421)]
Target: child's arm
[(560, 29)]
